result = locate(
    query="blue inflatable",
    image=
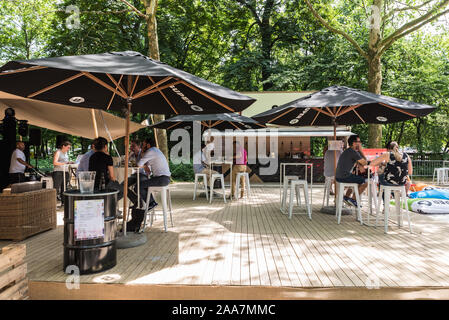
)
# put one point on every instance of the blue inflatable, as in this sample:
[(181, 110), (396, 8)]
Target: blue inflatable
[(434, 194)]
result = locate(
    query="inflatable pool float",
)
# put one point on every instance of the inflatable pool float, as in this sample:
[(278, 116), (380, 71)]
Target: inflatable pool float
[(427, 205), (431, 194)]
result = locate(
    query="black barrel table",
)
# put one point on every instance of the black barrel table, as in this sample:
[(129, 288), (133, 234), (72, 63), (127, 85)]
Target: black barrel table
[(90, 231)]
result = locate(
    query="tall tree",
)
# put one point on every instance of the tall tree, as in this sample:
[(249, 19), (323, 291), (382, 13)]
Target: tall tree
[(153, 52), (24, 28), (383, 33)]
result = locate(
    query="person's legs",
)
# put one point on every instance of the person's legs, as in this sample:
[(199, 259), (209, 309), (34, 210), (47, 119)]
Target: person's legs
[(236, 169), (58, 183), (138, 214), (16, 178), (114, 185), (208, 172), (161, 181), (132, 186)]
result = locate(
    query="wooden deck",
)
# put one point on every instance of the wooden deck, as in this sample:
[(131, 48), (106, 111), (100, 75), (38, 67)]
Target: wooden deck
[(249, 242)]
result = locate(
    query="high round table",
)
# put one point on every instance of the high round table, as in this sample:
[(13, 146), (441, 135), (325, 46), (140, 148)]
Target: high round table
[(90, 231)]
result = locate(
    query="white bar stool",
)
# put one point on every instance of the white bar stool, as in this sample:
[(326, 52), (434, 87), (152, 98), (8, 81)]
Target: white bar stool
[(295, 186), (197, 176), (327, 189), (212, 180), (166, 202), (287, 180), (440, 174), (400, 198), (237, 184), (341, 189), (48, 182)]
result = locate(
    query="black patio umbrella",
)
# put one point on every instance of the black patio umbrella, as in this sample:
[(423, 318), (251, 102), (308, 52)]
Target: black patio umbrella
[(345, 106), (219, 121), (126, 81)]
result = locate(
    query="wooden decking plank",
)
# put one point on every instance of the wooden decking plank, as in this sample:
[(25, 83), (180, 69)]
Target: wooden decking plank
[(286, 275), (352, 256), (263, 247), (264, 275), (394, 264), (252, 249), (326, 249), (299, 249)]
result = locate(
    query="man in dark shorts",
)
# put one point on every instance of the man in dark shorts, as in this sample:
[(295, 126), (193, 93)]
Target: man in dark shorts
[(350, 157)]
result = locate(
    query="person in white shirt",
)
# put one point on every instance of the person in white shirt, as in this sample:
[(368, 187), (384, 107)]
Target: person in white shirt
[(18, 164), (83, 164), (156, 167)]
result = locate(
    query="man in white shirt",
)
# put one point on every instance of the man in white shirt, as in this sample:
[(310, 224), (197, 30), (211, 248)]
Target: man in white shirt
[(155, 164), (18, 164), (83, 164)]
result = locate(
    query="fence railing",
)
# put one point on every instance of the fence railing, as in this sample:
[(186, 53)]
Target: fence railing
[(425, 168)]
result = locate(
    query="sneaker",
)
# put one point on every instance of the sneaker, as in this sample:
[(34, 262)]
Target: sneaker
[(347, 200), (152, 205), (352, 202)]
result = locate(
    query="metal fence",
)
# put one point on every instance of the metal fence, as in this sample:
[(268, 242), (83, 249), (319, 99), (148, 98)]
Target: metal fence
[(425, 168)]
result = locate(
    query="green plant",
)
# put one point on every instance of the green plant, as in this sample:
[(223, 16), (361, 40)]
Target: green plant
[(182, 172)]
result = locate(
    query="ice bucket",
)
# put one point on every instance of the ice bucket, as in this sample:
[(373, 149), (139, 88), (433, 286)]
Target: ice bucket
[(86, 181)]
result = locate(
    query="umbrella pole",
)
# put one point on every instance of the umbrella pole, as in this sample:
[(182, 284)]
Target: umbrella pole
[(335, 163), (155, 133), (125, 184), (94, 122)]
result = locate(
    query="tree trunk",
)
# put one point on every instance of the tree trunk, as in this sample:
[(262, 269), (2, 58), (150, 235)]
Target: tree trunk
[(153, 53), (266, 54), (375, 71)]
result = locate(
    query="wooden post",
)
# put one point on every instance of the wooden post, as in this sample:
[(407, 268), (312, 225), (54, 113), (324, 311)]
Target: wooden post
[(94, 122), (335, 164), (125, 181)]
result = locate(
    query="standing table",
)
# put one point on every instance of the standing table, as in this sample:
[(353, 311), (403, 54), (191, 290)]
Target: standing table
[(90, 230)]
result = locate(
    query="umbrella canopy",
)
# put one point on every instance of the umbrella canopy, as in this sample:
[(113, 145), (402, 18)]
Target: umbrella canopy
[(219, 121), (116, 81), (70, 120), (343, 105), (109, 80)]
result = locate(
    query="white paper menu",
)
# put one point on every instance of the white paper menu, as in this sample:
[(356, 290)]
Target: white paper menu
[(89, 219)]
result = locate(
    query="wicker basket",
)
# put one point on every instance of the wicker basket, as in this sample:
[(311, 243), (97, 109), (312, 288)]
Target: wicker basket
[(28, 213)]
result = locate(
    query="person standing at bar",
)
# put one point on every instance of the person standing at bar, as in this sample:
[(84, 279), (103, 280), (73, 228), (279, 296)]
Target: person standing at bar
[(18, 164), (240, 161), (60, 161)]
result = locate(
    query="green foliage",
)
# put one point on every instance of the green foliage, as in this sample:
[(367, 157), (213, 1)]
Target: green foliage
[(182, 172), (224, 42), (25, 28)]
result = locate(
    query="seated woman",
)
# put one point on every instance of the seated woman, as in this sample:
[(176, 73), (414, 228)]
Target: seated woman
[(397, 167)]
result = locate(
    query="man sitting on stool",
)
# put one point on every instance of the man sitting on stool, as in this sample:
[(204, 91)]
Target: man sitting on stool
[(101, 162), (18, 164), (351, 156), (153, 162)]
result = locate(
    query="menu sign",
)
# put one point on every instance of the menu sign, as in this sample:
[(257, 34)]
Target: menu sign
[(335, 145), (89, 219)]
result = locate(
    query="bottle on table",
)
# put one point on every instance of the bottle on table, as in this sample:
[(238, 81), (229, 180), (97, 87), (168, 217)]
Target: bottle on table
[(102, 185)]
